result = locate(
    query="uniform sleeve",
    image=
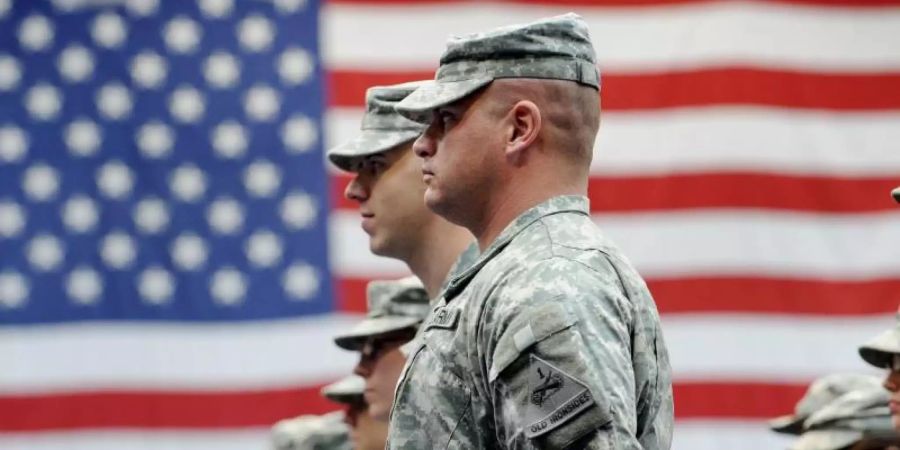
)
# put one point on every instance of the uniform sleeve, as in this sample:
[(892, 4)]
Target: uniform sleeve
[(559, 366)]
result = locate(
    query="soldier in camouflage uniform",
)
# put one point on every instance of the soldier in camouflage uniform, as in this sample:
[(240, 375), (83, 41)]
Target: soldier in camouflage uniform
[(859, 419), (388, 187), (820, 393), (311, 432), (883, 351), (550, 339)]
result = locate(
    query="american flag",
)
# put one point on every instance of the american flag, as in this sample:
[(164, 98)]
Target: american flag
[(175, 256)]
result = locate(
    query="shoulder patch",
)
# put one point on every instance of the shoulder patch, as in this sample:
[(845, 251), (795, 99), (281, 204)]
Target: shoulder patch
[(554, 397), (443, 318)]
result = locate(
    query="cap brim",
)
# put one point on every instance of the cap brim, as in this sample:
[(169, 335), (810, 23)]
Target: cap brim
[(347, 390), (880, 351), (826, 439), (788, 424), (896, 194), (369, 142), (419, 105), (373, 326)]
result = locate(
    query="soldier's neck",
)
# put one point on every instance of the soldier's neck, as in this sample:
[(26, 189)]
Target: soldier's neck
[(433, 259)]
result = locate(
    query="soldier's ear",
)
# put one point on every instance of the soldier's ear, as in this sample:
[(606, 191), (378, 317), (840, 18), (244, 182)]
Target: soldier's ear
[(525, 123)]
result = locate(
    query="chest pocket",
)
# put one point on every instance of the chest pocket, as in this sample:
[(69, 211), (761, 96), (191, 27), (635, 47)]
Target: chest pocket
[(433, 390)]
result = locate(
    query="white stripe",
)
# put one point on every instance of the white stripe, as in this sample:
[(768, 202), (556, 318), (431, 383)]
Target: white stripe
[(709, 242), (726, 434), (413, 35), (726, 138), (156, 355), (254, 438), (723, 347)]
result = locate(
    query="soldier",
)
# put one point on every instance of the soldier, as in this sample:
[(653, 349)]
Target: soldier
[(396, 309), (819, 394), (857, 420), (883, 351), (550, 339), (388, 187), (312, 432)]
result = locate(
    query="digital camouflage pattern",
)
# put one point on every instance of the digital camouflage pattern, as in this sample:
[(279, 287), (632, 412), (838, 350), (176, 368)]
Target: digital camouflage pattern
[(382, 128), (311, 432), (550, 338), (820, 393), (557, 48), (858, 415), (348, 390), (392, 306)]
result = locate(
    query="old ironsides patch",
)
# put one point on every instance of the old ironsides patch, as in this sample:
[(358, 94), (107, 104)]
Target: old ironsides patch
[(554, 397)]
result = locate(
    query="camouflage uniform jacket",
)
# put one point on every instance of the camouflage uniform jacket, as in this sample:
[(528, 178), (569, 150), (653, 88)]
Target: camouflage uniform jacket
[(549, 339)]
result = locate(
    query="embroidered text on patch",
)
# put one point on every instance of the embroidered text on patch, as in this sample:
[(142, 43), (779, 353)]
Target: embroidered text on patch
[(555, 397)]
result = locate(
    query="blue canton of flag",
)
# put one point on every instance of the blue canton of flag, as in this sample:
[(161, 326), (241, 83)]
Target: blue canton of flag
[(161, 160)]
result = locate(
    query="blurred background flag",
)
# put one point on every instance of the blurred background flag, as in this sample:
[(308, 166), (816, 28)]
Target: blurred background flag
[(175, 256)]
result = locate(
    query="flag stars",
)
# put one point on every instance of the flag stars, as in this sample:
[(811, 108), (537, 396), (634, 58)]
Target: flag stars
[(155, 140), (115, 180), (216, 9), (189, 252), (156, 285), (5, 6), (263, 249), (84, 286), (298, 210), (148, 70), (261, 103), (40, 182), (295, 66), (228, 286), (109, 30), (255, 33), (225, 216), (114, 101), (188, 183), (151, 216), (14, 289), (299, 134), (118, 250), (221, 70), (80, 214), (43, 101), (289, 6), (45, 252), (187, 105), (13, 144), (10, 73), (229, 139), (36, 33), (142, 8), (300, 281), (262, 178), (182, 35), (75, 64), (12, 219), (83, 137)]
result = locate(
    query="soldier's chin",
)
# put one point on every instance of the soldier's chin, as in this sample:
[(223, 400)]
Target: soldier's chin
[(895, 419)]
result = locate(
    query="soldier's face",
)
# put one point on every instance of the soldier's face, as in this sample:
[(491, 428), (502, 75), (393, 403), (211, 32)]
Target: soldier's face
[(380, 363), (892, 384), (388, 188), (366, 433), (459, 157)]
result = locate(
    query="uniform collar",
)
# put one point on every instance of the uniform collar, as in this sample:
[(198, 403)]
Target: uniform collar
[(561, 204)]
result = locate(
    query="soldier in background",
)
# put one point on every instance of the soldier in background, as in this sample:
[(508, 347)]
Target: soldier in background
[(388, 188), (311, 432), (820, 393), (859, 419), (550, 339), (883, 351)]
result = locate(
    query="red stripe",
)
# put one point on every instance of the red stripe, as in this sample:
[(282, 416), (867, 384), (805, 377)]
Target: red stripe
[(702, 87), (721, 190), (165, 409), (193, 410), (734, 294), (624, 3)]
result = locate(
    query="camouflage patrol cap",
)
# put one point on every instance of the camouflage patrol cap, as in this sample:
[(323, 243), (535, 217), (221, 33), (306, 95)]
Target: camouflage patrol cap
[(382, 128), (347, 390), (880, 351), (896, 194), (311, 432), (393, 305), (556, 48), (853, 417), (821, 392)]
